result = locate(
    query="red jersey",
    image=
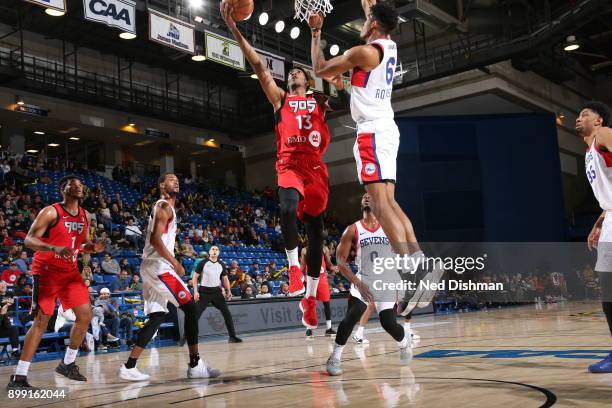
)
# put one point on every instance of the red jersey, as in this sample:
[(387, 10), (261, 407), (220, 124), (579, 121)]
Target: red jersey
[(323, 271), (67, 231), (301, 128)]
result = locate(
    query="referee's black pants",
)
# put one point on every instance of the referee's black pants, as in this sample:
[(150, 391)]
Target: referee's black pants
[(215, 296)]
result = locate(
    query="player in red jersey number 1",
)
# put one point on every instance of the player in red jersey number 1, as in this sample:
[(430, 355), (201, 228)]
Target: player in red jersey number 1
[(59, 233)]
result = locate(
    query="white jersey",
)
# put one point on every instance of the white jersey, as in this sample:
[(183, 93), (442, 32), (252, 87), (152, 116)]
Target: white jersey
[(365, 241), (168, 236), (598, 165), (371, 91)]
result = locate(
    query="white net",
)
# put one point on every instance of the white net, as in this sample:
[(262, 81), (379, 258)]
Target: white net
[(304, 8)]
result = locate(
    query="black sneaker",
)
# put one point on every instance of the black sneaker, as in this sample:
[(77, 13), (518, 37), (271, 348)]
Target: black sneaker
[(234, 340), (330, 332), (16, 354), (70, 371), (309, 333), (18, 382)]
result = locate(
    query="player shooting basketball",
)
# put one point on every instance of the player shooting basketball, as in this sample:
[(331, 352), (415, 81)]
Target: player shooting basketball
[(302, 136)]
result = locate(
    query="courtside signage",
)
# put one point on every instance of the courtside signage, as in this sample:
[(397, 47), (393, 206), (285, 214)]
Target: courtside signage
[(224, 51), (274, 63), (52, 4), (171, 32), (114, 13)]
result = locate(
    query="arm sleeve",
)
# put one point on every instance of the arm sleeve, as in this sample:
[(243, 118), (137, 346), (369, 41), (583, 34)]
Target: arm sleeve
[(223, 269), (200, 268), (340, 102)]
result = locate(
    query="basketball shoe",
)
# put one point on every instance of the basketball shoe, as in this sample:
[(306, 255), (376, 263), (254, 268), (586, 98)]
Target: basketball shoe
[(296, 281), (308, 306)]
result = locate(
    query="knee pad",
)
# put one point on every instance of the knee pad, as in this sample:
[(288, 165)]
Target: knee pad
[(288, 200)]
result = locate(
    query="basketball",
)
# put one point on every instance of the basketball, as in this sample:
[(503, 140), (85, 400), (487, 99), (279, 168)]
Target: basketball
[(242, 9)]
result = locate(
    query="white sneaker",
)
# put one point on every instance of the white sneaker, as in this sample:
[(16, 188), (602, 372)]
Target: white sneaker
[(202, 370), (111, 338), (132, 374)]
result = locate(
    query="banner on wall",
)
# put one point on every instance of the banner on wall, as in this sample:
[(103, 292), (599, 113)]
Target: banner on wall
[(224, 51), (52, 4), (317, 84), (274, 63), (171, 32), (114, 13)]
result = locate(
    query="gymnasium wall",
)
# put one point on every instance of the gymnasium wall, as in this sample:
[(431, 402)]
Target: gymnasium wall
[(481, 178)]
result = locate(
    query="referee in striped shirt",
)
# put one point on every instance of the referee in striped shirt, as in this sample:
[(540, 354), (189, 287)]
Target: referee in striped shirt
[(208, 277)]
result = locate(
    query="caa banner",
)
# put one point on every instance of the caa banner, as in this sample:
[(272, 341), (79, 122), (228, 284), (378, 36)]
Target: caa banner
[(317, 84), (274, 63), (171, 32), (52, 4), (114, 13), (224, 51)]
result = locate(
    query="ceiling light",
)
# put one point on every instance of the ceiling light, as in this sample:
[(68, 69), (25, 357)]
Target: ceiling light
[(295, 32), (571, 44), (53, 144), (39, 132), (263, 18), (211, 140), (334, 49), (75, 138), (19, 100), (198, 19), (195, 3), (54, 12), (198, 57), (254, 76), (31, 151), (131, 122), (279, 26), (127, 36)]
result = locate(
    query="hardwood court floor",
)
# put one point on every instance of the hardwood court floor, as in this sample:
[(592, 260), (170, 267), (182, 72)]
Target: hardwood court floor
[(513, 357)]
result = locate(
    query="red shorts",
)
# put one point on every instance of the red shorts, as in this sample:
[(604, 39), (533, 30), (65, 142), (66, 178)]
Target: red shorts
[(323, 294), (52, 283), (310, 178)]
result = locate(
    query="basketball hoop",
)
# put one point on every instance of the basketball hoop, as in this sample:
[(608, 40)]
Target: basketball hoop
[(304, 8)]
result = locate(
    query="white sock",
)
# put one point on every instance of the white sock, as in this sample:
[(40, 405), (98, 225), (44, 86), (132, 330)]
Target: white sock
[(407, 329), (359, 332), (70, 355), (404, 343), (328, 322), (22, 368), (311, 286), (292, 257), (337, 353)]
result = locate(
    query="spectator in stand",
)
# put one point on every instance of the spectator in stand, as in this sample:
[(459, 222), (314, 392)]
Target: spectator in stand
[(264, 291), (23, 263), (118, 240), (125, 264), (133, 234), (187, 249), (11, 275), (136, 285), (254, 269), (110, 266), (7, 241), (95, 267), (248, 293), (284, 290), (198, 233), (122, 282), (87, 273), (6, 326), (105, 216), (110, 310), (5, 169)]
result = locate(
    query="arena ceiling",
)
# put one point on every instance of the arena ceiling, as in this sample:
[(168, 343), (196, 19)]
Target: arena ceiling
[(435, 39)]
